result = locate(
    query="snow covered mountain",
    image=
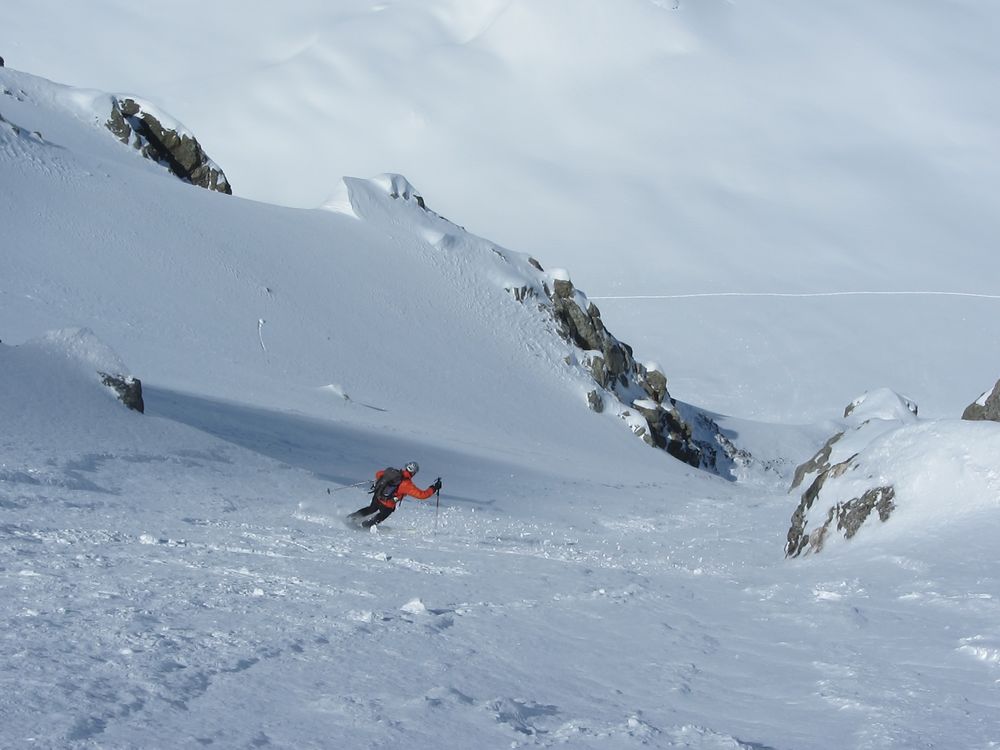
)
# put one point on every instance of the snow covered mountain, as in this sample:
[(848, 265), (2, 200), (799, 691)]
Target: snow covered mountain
[(183, 578), (334, 326), (793, 202)]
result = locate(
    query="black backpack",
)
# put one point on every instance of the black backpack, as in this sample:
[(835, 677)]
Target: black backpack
[(387, 485)]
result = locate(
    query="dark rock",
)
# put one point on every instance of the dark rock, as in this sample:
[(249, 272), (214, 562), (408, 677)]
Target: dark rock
[(598, 369), (799, 537), (818, 463), (521, 293), (129, 390), (613, 367), (563, 288), (180, 153), (986, 407), (852, 514), (611, 364), (655, 384), (595, 401)]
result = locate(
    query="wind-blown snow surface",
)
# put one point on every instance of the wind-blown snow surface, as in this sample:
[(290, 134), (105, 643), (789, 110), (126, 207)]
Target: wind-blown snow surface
[(658, 148), (183, 578), (163, 588)]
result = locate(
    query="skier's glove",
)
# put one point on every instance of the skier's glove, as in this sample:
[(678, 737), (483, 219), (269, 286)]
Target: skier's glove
[(437, 484)]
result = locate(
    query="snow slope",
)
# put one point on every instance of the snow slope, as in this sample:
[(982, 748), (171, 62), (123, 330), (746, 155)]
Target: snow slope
[(162, 588), (313, 304), (183, 578), (659, 149)]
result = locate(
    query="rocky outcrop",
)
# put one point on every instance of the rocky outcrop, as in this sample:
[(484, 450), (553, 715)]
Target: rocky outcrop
[(612, 381), (868, 417), (818, 464), (986, 407), (129, 390), (865, 418), (638, 392), (845, 517), (613, 367), (134, 123)]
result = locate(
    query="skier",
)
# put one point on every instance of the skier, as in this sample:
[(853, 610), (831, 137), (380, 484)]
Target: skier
[(387, 494)]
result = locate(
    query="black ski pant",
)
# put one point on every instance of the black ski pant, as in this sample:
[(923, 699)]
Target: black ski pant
[(375, 507)]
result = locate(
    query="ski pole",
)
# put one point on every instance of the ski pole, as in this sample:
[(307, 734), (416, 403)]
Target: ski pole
[(437, 507), (356, 484)]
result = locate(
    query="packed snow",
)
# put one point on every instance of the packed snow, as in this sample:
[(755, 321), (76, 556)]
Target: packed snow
[(185, 578)]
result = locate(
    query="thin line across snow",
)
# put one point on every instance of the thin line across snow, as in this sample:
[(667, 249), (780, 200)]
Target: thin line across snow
[(793, 294)]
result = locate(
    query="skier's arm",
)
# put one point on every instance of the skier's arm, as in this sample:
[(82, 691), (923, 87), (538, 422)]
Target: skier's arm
[(409, 488)]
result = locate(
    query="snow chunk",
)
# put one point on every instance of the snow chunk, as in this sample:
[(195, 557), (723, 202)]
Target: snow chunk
[(414, 607), (982, 648), (336, 390)]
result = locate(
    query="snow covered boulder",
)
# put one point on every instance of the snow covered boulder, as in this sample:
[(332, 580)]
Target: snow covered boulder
[(866, 418), (168, 143), (987, 406), (882, 403), (81, 350), (924, 478)]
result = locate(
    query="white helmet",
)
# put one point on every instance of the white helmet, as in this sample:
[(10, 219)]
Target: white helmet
[(413, 467)]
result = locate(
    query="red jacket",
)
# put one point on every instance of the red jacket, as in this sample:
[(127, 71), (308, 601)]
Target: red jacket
[(406, 488)]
